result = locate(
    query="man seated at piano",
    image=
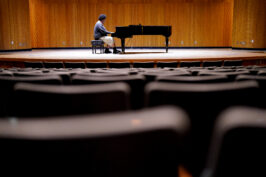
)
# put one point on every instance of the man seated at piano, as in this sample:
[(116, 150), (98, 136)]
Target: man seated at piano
[(100, 33)]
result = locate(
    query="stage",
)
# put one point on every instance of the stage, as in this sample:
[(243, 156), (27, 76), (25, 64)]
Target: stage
[(249, 57)]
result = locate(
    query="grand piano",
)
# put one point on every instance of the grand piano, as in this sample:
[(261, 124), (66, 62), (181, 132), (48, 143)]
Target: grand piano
[(124, 32)]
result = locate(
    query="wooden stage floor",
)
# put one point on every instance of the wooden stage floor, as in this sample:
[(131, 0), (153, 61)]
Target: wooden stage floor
[(135, 55)]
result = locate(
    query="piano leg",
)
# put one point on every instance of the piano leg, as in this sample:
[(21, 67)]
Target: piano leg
[(166, 41), (123, 44)]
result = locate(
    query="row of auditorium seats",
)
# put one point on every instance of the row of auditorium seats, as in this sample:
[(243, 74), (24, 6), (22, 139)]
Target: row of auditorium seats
[(131, 144), (30, 93), (217, 63)]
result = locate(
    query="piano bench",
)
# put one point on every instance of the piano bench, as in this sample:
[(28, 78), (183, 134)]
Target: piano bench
[(97, 44)]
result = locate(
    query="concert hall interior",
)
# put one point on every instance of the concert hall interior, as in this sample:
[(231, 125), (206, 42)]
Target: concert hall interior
[(133, 88)]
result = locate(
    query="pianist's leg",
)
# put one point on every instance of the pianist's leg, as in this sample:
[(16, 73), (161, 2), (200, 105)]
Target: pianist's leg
[(110, 43)]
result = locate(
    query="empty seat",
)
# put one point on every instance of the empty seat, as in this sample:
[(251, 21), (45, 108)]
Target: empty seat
[(35, 64), (6, 73), (6, 89), (233, 62), (261, 80), (262, 73), (231, 75), (193, 79), (151, 76), (74, 64), (238, 144), (119, 65), (47, 100), (190, 64), (203, 102), (96, 65), (53, 64), (143, 65), (132, 144), (167, 64), (136, 83), (212, 63)]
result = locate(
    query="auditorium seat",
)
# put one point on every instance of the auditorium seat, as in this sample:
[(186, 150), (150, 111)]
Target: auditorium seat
[(167, 65), (193, 79), (136, 83), (233, 62), (119, 65), (261, 80), (53, 64), (190, 64), (125, 144), (48, 100), (96, 65), (262, 73), (231, 75), (64, 75), (238, 144), (35, 64), (212, 63), (103, 73), (152, 75), (6, 89), (74, 65), (143, 65), (203, 102), (6, 73)]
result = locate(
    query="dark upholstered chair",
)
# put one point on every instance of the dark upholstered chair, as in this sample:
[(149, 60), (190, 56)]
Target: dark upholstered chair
[(131, 144), (194, 79), (136, 83), (47, 100), (238, 144), (203, 102)]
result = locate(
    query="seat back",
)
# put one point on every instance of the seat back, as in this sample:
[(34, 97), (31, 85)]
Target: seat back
[(203, 102), (238, 144), (141, 143), (47, 100), (194, 79), (136, 83)]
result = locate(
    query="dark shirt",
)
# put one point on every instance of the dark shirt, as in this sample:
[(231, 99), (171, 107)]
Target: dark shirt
[(100, 31)]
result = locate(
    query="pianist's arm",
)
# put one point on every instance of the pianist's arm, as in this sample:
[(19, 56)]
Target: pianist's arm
[(103, 30)]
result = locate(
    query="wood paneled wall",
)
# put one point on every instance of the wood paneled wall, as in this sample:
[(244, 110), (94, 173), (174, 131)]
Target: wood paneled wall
[(249, 24), (14, 25), (69, 23)]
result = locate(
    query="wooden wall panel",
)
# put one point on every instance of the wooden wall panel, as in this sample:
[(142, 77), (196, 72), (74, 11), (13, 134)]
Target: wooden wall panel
[(249, 28), (14, 25), (69, 23)]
